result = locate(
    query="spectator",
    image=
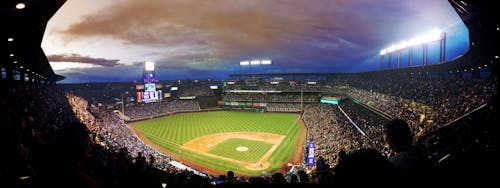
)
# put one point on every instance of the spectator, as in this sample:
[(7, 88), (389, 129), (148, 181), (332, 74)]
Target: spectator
[(365, 167), (410, 162)]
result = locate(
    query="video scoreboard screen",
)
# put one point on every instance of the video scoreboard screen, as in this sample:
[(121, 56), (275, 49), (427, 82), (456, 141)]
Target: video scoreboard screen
[(150, 87), (150, 94)]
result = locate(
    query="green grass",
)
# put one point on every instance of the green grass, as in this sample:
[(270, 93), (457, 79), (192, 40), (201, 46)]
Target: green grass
[(172, 131), (256, 149)]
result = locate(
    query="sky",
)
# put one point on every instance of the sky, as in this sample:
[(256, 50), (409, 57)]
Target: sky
[(109, 41)]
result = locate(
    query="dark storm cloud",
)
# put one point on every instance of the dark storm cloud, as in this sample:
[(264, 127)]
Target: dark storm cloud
[(233, 30), (77, 58)]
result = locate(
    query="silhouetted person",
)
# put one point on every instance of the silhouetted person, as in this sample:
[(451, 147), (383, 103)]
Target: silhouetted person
[(294, 179), (303, 178), (323, 171), (342, 155), (411, 163), (71, 148), (278, 178), (365, 167), (230, 177)]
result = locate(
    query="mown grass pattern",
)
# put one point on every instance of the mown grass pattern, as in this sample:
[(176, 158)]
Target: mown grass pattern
[(256, 149), (172, 131)]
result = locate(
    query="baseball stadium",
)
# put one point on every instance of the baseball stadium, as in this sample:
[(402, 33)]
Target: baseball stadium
[(248, 93)]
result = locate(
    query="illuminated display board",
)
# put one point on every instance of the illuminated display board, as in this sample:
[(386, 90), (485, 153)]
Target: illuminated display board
[(310, 154), (329, 100), (150, 87), (326, 101)]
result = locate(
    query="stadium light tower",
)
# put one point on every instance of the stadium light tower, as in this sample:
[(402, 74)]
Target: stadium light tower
[(268, 62), (382, 53), (390, 49), (424, 41), (251, 63), (242, 63), (255, 62)]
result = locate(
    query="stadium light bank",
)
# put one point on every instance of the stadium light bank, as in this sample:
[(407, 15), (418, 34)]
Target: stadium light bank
[(256, 62), (423, 40)]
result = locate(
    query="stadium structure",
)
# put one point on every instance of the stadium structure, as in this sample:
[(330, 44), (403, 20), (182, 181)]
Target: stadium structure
[(319, 128)]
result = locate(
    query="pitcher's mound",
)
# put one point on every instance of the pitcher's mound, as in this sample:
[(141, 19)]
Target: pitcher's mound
[(241, 149)]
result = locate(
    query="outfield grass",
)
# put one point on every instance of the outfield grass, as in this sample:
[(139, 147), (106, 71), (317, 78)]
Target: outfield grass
[(256, 149), (172, 131)]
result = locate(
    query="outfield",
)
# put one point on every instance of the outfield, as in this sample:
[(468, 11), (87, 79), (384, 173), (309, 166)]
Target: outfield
[(248, 143)]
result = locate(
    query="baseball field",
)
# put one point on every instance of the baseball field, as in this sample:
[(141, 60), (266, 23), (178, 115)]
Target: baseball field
[(248, 143)]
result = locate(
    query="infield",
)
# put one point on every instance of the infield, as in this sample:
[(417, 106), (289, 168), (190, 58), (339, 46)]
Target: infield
[(208, 141)]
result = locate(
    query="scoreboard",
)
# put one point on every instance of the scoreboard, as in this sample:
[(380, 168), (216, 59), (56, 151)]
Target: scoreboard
[(147, 93)]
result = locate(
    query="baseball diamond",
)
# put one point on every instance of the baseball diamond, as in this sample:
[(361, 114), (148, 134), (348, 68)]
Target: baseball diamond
[(248, 143)]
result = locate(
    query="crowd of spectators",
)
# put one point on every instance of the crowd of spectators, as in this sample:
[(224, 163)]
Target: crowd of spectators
[(332, 132), (278, 85), (370, 123), (426, 103), (31, 119), (195, 90), (50, 138), (104, 93), (135, 111), (271, 97)]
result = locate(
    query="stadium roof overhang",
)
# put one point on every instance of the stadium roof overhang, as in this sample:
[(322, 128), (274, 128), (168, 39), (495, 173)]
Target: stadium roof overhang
[(481, 20), (22, 33)]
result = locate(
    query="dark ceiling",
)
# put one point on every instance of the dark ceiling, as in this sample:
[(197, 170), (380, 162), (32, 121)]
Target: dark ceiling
[(21, 36)]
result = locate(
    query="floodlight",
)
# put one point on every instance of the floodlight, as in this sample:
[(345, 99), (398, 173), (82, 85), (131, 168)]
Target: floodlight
[(11, 55), (432, 36), (255, 62), (244, 63), (391, 48), (150, 66), (10, 39), (383, 52), (265, 62), (415, 41), (20, 6), (401, 45)]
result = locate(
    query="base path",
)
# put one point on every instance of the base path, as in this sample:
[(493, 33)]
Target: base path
[(203, 144)]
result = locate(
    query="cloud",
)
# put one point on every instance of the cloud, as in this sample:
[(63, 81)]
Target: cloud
[(228, 30), (77, 58), (189, 37)]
